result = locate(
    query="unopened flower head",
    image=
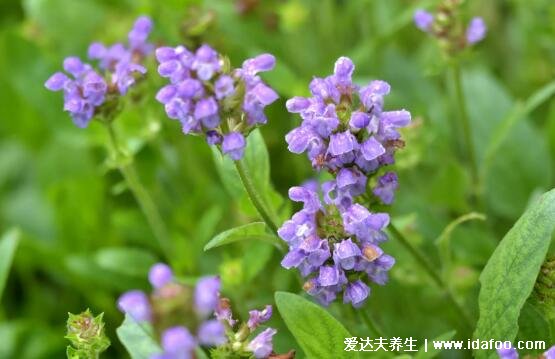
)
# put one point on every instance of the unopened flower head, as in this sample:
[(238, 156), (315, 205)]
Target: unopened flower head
[(209, 98), (87, 89), (447, 27), (86, 334)]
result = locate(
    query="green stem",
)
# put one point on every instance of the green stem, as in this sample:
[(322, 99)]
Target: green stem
[(148, 207), (370, 324), (254, 196), (436, 277), (465, 120)]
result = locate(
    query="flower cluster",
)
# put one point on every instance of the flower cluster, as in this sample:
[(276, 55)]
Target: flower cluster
[(210, 98), (87, 88), (334, 240), (185, 318), (444, 25), (509, 352)]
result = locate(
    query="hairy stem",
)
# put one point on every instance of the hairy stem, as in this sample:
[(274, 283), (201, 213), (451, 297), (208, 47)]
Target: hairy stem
[(465, 120), (436, 277), (254, 196), (147, 205)]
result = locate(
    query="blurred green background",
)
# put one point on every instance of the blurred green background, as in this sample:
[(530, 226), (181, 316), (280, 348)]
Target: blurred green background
[(84, 240)]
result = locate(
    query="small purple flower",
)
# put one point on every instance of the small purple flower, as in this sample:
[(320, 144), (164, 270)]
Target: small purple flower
[(159, 275), (346, 253), (550, 353), (423, 20), (211, 333), (356, 293), (178, 342), (507, 352), (385, 190), (224, 86), (261, 346), (257, 317), (234, 145), (136, 304), (476, 30), (206, 295), (342, 143)]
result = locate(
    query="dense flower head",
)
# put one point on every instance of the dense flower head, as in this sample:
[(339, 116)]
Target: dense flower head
[(185, 318), (446, 26), (209, 98), (86, 89), (334, 243), (334, 240), (345, 125)]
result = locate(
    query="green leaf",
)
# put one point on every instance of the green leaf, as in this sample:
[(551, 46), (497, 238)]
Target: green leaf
[(510, 179), (533, 324), (126, 261), (432, 352), (251, 231), (509, 277), (138, 339), (520, 110), (8, 244), (318, 333)]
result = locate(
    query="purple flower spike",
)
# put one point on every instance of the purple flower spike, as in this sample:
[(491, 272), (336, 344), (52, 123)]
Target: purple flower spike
[(178, 342), (261, 346), (206, 93), (136, 304), (423, 20), (257, 317), (356, 293), (476, 30), (344, 131), (159, 275), (234, 145), (206, 295)]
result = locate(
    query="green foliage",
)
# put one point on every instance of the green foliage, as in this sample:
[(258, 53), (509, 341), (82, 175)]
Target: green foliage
[(509, 276), (8, 245), (247, 232), (138, 339), (318, 333)]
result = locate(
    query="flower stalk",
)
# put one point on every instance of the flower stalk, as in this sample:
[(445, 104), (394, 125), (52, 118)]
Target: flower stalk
[(147, 205), (254, 196)]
